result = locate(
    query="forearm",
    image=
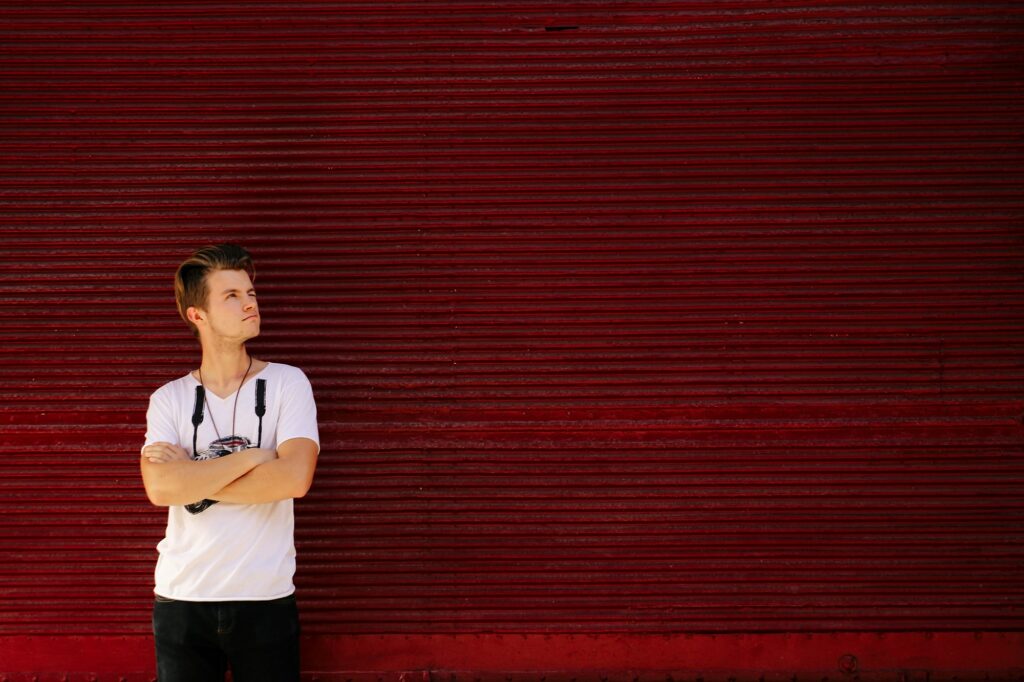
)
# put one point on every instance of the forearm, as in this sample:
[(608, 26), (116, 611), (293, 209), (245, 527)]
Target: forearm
[(183, 482), (269, 482)]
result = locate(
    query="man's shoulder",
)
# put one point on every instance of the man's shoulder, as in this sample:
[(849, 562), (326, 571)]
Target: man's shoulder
[(290, 379), (286, 371), (172, 388)]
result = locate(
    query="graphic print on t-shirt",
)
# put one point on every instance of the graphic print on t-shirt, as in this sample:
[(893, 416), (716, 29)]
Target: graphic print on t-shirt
[(218, 448)]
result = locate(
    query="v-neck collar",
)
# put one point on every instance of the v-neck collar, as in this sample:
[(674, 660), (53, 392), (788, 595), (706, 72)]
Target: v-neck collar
[(248, 379)]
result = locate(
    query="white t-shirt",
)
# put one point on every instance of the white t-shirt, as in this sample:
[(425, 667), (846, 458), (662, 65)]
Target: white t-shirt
[(231, 552)]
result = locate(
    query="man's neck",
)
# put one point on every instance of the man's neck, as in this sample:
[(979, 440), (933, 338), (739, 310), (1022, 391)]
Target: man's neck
[(224, 366)]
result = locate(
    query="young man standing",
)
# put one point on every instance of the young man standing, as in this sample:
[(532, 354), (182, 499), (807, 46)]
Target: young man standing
[(228, 447)]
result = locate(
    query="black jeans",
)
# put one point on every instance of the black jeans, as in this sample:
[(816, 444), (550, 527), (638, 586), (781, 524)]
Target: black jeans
[(197, 641)]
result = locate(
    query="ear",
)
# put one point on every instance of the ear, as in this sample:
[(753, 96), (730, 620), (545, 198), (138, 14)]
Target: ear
[(194, 314)]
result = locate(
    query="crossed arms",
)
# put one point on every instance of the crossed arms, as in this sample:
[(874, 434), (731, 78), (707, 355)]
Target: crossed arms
[(250, 476)]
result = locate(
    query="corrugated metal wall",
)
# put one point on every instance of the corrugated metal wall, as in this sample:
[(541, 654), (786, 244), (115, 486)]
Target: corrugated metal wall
[(637, 321)]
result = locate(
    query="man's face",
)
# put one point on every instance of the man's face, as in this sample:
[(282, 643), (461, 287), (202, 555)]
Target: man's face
[(231, 312)]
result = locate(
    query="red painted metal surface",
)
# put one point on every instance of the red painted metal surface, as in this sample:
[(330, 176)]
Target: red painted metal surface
[(637, 329), (780, 656)]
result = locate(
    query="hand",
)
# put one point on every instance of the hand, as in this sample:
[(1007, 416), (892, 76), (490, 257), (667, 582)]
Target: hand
[(159, 453)]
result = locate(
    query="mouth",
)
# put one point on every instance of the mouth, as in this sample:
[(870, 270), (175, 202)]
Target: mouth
[(252, 317)]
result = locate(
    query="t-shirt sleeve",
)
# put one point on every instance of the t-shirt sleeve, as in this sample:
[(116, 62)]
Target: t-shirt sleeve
[(298, 411), (160, 426)]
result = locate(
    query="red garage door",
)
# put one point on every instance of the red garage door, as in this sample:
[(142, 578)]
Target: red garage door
[(671, 337)]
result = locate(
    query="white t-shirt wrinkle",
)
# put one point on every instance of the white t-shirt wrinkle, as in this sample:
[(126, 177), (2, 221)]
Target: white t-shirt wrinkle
[(231, 552)]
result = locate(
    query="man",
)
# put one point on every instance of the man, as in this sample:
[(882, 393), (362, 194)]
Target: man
[(228, 447)]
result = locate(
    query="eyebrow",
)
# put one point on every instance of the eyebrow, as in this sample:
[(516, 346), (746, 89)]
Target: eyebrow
[(228, 291)]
